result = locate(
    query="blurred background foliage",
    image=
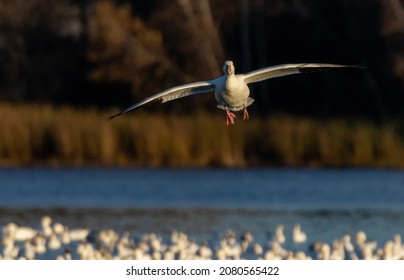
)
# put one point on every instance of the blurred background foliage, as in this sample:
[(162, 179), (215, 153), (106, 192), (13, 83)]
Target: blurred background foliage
[(86, 55)]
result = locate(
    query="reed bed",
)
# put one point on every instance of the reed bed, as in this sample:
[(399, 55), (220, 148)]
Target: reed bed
[(45, 135)]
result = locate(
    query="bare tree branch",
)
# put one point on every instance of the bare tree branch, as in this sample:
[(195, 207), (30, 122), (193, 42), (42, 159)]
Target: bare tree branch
[(398, 11), (205, 45)]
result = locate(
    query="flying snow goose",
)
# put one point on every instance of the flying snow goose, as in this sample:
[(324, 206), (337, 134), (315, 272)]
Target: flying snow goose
[(231, 90)]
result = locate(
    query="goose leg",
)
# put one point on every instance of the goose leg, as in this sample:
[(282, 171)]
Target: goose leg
[(230, 117), (246, 116)]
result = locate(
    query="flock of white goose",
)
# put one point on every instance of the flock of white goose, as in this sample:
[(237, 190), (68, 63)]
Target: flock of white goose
[(56, 241)]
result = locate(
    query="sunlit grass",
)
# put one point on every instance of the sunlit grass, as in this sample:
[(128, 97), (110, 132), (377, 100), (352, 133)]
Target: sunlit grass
[(44, 135)]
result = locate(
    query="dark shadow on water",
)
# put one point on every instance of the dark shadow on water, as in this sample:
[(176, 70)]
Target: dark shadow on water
[(206, 223)]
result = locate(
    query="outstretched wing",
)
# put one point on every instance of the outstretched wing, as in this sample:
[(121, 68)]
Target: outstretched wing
[(288, 69), (170, 94)]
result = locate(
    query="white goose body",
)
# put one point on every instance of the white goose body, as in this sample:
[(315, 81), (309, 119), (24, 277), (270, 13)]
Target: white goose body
[(232, 93), (231, 90)]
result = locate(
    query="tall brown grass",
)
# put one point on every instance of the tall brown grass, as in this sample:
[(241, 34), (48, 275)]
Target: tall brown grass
[(44, 135)]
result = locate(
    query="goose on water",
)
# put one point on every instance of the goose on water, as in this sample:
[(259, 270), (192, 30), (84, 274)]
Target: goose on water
[(231, 89)]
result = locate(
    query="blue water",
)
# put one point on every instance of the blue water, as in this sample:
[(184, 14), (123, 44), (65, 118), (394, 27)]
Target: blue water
[(205, 202)]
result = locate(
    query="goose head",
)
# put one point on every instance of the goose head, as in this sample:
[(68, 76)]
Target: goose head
[(228, 67)]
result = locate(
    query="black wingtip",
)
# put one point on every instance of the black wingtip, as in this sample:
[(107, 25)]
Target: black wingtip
[(317, 69), (107, 119), (361, 66)]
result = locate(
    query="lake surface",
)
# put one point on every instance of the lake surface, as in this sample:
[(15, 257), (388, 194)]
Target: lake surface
[(206, 202)]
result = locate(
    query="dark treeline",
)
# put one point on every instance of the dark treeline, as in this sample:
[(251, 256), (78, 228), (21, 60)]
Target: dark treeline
[(110, 53)]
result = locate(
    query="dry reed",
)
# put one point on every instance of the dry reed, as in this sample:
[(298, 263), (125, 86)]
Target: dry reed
[(44, 135)]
